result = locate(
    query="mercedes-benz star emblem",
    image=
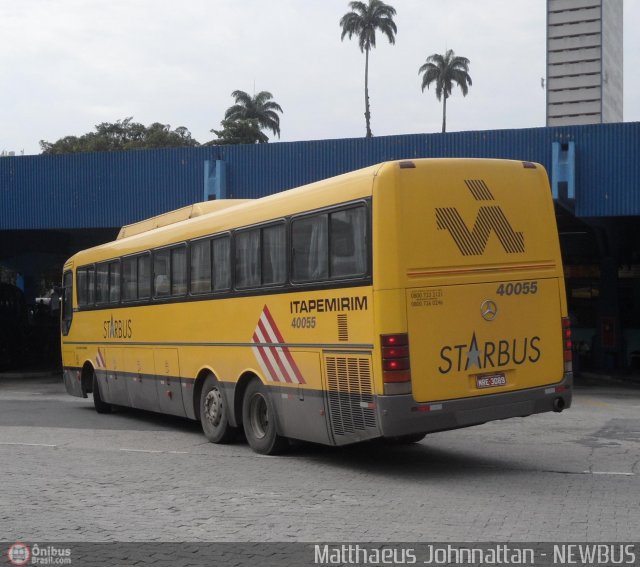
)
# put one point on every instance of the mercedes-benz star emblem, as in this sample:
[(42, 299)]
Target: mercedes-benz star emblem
[(488, 310)]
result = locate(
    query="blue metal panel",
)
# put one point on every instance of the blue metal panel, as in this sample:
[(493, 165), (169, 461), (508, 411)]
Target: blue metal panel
[(563, 170), (98, 189), (111, 189), (215, 180)]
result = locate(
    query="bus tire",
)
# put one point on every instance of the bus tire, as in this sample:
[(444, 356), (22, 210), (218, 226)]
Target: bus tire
[(101, 406), (214, 413), (259, 420)]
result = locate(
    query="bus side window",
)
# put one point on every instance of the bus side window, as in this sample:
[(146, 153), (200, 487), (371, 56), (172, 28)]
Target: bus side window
[(201, 266), (349, 242), (102, 283), (310, 249), (114, 282), (91, 285), (81, 285), (221, 250), (274, 254), (144, 276), (161, 273), (67, 303), (129, 279), (248, 258), (179, 270)]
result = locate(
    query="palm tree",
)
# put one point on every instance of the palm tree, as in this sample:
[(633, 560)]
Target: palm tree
[(261, 108), (363, 21), (446, 71)]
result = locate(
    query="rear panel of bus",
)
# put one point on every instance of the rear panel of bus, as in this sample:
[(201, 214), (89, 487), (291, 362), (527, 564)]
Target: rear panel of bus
[(468, 281)]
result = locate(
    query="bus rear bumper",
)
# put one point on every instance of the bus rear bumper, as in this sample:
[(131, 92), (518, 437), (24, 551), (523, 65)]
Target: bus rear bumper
[(402, 415)]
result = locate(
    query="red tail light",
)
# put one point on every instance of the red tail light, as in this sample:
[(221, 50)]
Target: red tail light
[(396, 367), (400, 339), (567, 344)]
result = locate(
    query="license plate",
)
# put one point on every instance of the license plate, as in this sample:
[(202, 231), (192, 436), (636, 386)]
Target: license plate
[(491, 380)]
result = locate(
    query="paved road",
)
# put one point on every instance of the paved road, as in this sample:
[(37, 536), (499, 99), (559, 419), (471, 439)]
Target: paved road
[(69, 474)]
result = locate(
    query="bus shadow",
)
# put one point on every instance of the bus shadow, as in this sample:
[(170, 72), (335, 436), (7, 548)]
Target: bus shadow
[(418, 461), (379, 457), (141, 420)]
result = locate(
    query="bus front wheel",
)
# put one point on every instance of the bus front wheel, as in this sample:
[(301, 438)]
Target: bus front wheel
[(259, 420), (99, 404), (213, 413)]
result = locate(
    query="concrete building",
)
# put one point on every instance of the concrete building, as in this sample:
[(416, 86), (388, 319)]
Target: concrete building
[(584, 61)]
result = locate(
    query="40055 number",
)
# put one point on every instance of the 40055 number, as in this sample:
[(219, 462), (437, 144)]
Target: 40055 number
[(518, 288), (303, 322)]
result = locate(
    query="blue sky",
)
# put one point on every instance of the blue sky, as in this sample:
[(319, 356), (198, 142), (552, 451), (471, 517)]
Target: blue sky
[(67, 65)]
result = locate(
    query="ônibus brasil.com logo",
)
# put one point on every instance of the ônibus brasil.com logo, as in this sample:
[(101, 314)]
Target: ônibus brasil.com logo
[(19, 554)]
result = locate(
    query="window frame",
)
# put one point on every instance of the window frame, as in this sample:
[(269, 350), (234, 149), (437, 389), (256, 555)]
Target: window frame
[(332, 281), (168, 248), (208, 239), (285, 222), (99, 303), (85, 270), (288, 285), (66, 307), (232, 268), (185, 249), (110, 263), (136, 257)]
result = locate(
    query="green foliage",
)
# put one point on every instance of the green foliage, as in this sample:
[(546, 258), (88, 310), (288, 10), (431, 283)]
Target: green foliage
[(238, 131), (363, 21), (122, 135), (261, 109), (446, 71)]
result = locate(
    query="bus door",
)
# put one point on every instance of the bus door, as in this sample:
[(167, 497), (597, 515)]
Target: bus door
[(169, 390), (143, 391), (116, 379)]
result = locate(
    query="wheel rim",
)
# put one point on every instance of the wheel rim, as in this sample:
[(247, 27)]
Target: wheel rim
[(213, 407), (259, 414)]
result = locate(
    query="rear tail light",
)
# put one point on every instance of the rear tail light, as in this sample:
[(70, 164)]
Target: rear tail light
[(567, 344), (396, 367)]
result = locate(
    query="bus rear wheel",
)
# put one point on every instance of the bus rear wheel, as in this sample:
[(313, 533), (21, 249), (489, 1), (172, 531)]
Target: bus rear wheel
[(100, 405), (214, 416), (259, 420)]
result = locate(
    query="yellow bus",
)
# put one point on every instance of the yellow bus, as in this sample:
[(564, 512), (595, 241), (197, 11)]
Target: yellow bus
[(390, 302)]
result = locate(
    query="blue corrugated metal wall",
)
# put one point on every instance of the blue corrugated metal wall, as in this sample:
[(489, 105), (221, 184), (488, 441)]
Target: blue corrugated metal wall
[(111, 189)]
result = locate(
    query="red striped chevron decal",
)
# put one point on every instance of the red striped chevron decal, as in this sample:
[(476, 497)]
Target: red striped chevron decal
[(100, 362), (271, 353)]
